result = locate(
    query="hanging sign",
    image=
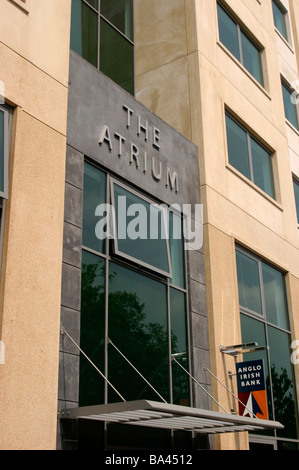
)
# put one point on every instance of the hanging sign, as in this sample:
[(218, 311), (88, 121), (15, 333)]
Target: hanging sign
[(252, 389)]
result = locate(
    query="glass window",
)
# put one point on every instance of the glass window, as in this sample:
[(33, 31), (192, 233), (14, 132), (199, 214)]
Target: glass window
[(177, 253), (296, 192), (282, 375), (249, 283), (94, 194), (102, 33), (139, 308), (120, 14), (275, 296), (238, 151), (262, 168), (279, 15), (92, 330), (249, 157), (84, 31), (271, 329), (239, 44), (140, 230), (252, 58), (117, 57), (138, 328), (228, 32), (179, 345), (290, 107)]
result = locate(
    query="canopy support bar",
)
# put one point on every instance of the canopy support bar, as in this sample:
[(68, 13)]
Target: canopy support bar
[(250, 411), (112, 344), (63, 331), (174, 359)]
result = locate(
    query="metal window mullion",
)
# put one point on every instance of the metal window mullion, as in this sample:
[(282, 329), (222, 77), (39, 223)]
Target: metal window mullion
[(266, 334), (169, 345), (99, 41), (107, 246)]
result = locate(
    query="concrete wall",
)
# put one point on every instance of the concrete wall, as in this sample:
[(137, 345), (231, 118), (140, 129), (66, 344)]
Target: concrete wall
[(34, 69)]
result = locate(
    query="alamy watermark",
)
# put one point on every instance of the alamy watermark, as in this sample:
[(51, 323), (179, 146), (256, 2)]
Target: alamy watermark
[(295, 354), (152, 222)]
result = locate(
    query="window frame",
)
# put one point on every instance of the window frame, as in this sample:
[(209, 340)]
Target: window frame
[(262, 316), (242, 30), (6, 113), (108, 257), (286, 85), (111, 182), (249, 136), (296, 182), (100, 18), (284, 12)]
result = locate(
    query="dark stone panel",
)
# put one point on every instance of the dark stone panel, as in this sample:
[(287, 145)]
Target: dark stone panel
[(72, 245), (71, 287), (74, 167), (73, 205)]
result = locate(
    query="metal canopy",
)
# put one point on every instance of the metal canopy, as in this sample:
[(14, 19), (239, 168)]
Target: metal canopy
[(166, 416)]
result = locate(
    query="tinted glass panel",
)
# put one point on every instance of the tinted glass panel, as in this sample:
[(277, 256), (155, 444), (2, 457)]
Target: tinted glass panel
[(94, 195), (179, 345), (84, 31), (91, 389), (289, 107), (120, 14), (283, 382), (138, 328), (117, 57), (1, 150), (279, 20), (275, 296), (228, 32), (237, 147), (296, 191), (262, 168), (137, 237), (249, 283), (252, 58), (177, 254), (93, 3)]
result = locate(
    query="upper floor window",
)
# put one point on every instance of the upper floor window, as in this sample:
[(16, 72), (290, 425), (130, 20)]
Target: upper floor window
[(249, 156), (102, 33), (296, 192), (238, 42), (279, 14), (265, 320), (290, 100)]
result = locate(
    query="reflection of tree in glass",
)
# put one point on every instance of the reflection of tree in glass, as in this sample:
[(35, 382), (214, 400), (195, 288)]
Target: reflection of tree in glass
[(92, 334), (144, 343), (284, 404)]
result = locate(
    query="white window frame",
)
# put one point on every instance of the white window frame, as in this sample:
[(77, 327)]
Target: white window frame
[(113, 225)]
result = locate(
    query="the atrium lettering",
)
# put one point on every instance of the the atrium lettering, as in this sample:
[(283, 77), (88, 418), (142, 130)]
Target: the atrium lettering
[(146, 159)]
